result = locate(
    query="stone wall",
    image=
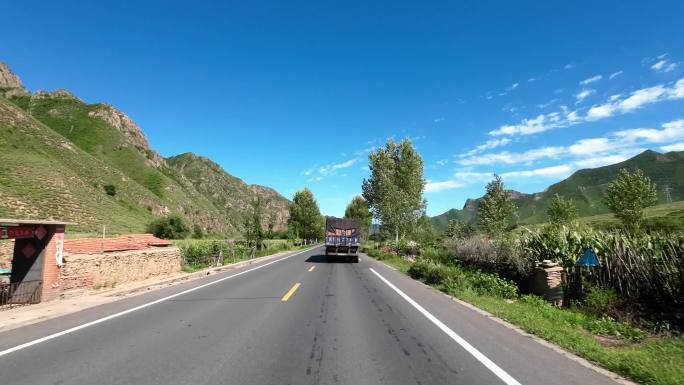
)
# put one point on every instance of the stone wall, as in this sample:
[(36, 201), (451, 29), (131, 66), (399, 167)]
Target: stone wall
[(109, 269)]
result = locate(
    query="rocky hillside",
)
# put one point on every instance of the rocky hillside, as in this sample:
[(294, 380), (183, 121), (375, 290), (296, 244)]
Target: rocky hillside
[(228, 193), (586, 187), (90, 163)]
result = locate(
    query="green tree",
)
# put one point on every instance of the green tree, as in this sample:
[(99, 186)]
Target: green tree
[(628, 195), (169, 227), (459, 229), (496, 207), (394, 191), (254, 232), (305, 217), (423, 232), (358, 209), (561, 211)]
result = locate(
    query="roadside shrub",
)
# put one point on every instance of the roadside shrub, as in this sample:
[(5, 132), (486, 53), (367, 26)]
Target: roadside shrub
[(170, 227), (601, 301), (437, 255), (208, 252), (501, 256), (455, 279), (110, 189)]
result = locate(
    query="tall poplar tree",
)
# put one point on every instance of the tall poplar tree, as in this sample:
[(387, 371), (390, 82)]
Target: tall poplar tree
[(394, 191)]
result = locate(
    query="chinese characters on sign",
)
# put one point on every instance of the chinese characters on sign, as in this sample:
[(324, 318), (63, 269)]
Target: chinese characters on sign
[(16, 232)]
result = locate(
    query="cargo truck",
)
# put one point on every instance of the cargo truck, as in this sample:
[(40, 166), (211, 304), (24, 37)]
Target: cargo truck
[(342, 238)]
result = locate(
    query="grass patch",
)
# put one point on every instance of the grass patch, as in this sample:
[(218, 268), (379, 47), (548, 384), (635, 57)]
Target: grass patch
[(621, 348)]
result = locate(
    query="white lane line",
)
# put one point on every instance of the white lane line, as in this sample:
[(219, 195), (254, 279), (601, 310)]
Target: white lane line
[(505, 377), (119, 314)]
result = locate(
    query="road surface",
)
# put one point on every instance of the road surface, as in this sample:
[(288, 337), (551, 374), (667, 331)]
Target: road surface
[(294, 320)]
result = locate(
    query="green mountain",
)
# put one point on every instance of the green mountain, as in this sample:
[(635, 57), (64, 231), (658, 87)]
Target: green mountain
[(61, 157), (586, 187)]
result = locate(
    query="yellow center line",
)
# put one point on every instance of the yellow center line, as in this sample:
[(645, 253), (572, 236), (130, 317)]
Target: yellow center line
[(312, 268), (289, 293)]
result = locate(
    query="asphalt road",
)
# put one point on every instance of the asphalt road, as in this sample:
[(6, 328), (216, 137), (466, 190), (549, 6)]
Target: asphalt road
[(296, 320)]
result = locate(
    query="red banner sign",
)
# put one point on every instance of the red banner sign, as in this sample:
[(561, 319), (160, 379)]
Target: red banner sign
[(18, 232)]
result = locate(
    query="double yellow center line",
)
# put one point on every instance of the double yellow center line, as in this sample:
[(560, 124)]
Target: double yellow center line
[(294, 288)]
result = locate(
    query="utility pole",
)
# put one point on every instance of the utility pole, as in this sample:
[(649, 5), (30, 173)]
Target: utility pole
[(668, 196)]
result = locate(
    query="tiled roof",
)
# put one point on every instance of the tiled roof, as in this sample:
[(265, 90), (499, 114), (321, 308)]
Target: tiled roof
[(123, 243)]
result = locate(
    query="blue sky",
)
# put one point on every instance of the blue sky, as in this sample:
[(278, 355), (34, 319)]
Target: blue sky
[(294, 94)]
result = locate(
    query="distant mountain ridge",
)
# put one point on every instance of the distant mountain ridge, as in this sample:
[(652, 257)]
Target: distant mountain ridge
[(59, 153), (586, 187)]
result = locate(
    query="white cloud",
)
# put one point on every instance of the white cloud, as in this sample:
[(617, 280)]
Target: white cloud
[(673, 147), (327, 170), (615, 74), (541, 123), (625, 142), (512, 87), (677, 92), (590, 80), (488, 145), (569, 66), (513, 157), (671, 131), (437, 120), (600, 112), (590, 146), (616, 104), (442, 162), (552, 171), (641, 97), (603, 160), (440, 186), (580, 96), (664, 66), (531, 80), (493, 143), (473, 176)]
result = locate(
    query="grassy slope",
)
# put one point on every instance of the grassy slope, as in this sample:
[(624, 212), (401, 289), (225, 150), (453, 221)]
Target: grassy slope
[(586, 188), (654, 360), (45, 175), (158, 188)]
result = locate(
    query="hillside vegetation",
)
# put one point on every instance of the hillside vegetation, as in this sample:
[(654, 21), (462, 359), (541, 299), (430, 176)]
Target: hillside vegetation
[(586, 188), (91, 164)]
